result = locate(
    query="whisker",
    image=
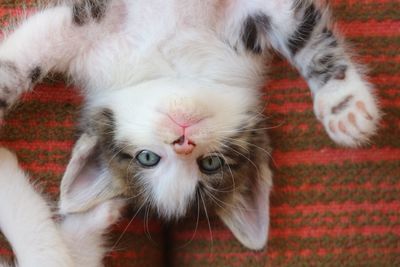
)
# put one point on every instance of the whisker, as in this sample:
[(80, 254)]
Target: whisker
[(130, 222), (214, 198), (244, 156), (197, 224), (117, 152), (137, 195), (247, 129), (208, 221), (241, 146), (146, 224), (268, 153), (222, 190), (240, 154)]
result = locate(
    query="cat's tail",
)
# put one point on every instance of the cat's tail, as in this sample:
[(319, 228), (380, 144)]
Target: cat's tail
[(26, 220)]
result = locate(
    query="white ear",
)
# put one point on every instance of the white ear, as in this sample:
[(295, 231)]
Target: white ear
[(249, 219), (86, 182)]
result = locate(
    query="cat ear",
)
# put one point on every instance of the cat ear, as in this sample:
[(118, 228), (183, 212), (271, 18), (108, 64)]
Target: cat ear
[(86, 182), (248, 218)]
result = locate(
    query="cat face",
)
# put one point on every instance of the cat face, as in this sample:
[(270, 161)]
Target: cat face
[(172, 143)]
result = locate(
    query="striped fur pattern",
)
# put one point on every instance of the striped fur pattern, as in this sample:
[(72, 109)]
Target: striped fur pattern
[(148, 64)]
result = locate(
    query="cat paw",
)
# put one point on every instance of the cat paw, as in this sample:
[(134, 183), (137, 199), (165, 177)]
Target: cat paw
[(105, 214), (348, 111), (11, 86)]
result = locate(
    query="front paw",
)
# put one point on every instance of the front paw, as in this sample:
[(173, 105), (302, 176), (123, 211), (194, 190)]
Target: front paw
[(99, 218), (106, 214), (11, 85), (348, 110)]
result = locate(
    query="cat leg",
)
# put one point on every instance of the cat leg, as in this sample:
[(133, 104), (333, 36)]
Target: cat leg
[(50, 40), (302, 31), (84, 232), (26, 219)]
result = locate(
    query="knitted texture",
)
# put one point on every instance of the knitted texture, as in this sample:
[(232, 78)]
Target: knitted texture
[(330, 206)]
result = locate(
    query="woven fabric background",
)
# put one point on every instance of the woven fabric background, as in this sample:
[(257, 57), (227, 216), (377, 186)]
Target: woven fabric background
[(330, 206)]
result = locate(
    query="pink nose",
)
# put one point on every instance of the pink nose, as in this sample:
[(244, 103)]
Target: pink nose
[(183, 146)]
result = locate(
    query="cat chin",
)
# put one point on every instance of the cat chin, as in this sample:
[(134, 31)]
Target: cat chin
[(172, 188)]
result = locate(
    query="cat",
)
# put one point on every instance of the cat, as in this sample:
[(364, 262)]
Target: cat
[(173, 116), (26, 221)]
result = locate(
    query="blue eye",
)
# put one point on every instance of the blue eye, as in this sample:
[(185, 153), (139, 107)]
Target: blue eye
[(211, 164), (147, 158)]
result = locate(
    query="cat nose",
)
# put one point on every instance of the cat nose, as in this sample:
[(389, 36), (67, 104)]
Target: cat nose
[(183, 145)]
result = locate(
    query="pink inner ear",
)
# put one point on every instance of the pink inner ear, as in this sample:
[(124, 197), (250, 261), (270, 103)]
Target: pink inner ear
[(86, 177), (258, 210), (249, 221), (262, 205)]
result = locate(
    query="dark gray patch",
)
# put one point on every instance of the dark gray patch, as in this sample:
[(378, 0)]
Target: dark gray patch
[(114, 156), (327, 60), (100, 123), (303, 33), (248, 149), (79, 14), (325, 67), (340, 73), (248, 138), (254, 28), (85, 10), (328, 36), (104, 123), (97, 9), (35, 74), (6, 91), (3, 104), (342, 105), (336, 72)]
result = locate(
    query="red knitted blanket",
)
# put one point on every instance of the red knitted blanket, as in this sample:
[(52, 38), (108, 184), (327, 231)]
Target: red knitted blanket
[(330, 206)]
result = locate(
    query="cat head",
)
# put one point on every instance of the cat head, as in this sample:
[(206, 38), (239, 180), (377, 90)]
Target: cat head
[(170, 144)]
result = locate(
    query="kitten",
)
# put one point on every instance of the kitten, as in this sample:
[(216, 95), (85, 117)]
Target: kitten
[(173, 116), (26, 221)]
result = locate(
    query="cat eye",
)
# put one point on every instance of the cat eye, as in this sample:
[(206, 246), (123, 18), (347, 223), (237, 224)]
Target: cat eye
[(147, 158), (211, 164)]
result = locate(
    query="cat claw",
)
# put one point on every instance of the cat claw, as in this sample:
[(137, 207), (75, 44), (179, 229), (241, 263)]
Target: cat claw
[(349, 112)]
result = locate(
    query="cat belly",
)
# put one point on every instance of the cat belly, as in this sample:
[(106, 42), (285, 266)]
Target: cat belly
[(161, 39)]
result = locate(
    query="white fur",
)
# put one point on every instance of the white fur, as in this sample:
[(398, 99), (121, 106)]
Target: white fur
[(26, 221), (84, 232)]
